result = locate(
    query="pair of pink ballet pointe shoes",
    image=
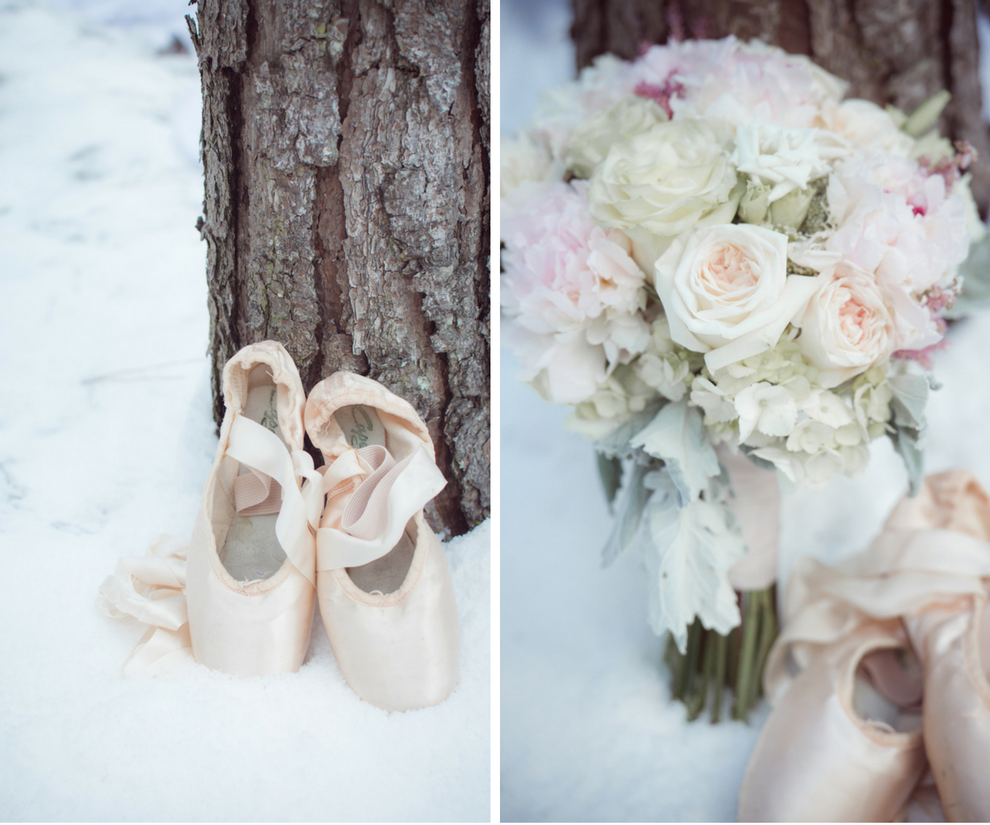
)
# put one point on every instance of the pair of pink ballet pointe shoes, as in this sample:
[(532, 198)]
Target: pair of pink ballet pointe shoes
[(880, 678), (273, 533)]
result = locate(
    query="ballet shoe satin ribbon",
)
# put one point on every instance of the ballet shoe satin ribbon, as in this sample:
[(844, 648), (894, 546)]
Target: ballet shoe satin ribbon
[(260, 449), (151, 589), (384, 496)]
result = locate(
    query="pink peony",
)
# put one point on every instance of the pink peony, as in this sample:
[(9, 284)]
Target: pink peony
[(735, 82), (572, 293)]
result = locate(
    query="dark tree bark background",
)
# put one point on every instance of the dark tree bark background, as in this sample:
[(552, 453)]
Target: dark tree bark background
[(891, 51), (346, 146)]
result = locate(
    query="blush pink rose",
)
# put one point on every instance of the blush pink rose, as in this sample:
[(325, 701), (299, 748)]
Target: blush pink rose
[(847, 327)]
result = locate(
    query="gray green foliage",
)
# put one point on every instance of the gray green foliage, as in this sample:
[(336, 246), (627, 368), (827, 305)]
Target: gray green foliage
[(975, 272), (908, 406), (677, 436)]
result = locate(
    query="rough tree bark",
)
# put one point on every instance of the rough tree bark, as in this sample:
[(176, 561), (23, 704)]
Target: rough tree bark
[(345, 146), (891, 51)]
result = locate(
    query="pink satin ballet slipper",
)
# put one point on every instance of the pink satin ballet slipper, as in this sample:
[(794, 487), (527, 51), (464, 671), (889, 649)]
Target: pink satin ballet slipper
[(928, 571), (924, 805), (251, 563), (844, 742), (952, 637), (239, 596), (383, 583), (954, 645)]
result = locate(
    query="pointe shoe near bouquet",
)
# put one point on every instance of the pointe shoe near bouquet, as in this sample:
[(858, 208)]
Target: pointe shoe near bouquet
[(239, 598), (923, 582), (955, 649), (837, 748), (384, 587)]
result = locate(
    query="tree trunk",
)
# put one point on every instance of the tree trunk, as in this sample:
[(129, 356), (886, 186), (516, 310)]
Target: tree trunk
[(891, 51), (345, 146)]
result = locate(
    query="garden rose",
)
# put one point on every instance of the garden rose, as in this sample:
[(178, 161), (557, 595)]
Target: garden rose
[(673, 177), (727, 293), (592, 139), (846, 327)]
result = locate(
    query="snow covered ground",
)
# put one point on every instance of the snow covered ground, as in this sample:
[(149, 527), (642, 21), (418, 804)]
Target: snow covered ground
[(105, 440), (588, 731)]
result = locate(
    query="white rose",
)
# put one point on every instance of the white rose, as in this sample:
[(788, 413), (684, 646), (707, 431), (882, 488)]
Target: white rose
[(671, 178), (846, 327), (726, 291), (592, 139)]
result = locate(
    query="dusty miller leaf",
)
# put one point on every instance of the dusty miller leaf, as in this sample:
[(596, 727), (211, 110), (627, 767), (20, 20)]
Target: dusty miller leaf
[(908, 406), (616, 443), (628, 513), (677, 436), (610, 473), (907, 442), (910, 397), (690, 551)]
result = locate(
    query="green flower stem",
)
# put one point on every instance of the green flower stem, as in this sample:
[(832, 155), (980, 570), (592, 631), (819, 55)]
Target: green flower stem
[(712, 662), (721, 656), (768, 633), (733, 669), (748, 698), (693, 656), (746, 656), (708, 670)]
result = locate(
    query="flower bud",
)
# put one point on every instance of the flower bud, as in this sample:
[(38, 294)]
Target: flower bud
[(755, 202), (791, 210), (923, 118)]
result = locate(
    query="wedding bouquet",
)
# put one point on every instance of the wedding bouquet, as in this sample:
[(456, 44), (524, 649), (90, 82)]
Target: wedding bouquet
[(715, 259)]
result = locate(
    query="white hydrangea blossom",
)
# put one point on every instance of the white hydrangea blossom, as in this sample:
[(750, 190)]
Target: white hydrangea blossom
[(664, 365), (619, 397), (773, 404)]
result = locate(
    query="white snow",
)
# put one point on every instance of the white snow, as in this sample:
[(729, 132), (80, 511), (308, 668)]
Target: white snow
[(588, 730), (106, 436)]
